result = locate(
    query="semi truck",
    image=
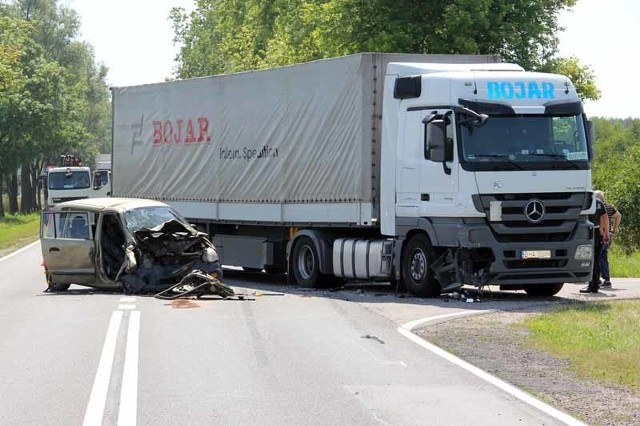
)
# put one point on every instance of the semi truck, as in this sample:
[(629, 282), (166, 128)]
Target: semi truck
[(427, 171)]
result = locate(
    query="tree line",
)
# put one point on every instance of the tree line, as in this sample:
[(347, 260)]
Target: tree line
[(53, 97), (616, 171)]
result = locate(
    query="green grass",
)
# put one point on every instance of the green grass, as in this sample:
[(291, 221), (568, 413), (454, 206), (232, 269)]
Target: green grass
[(623, 265), (18, 230), (600, 339)]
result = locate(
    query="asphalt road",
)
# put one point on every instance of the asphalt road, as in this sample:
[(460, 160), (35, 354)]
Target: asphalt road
[(282, 356)]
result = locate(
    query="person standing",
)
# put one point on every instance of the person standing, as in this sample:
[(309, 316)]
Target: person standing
[(600, 237), (615, 217)]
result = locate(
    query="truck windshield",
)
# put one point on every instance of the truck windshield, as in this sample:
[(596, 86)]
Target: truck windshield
[(526, 141), (150, 217), (69, 180)]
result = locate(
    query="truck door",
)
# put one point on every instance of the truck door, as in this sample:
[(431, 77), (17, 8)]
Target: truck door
[(68, 247), (429, 188)]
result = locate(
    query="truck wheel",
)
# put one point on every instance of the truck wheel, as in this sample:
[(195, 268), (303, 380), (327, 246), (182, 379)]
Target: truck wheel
[(306, 263), (417, 276), (543, 289)]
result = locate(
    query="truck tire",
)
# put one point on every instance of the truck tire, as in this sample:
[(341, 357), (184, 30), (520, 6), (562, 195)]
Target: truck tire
[(543, 289), (417, 276), (306, 263)]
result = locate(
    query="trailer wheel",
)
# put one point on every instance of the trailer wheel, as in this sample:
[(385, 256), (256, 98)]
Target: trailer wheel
[(417, 276), (543, 289), (306, 263)]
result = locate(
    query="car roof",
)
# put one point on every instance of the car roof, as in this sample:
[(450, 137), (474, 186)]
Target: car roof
[(108, 203)]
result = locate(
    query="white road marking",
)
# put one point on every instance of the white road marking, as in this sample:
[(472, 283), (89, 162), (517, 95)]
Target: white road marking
[(127, 299), (127, 415), (17, 252), (126, 307), (406, 330), (97, 400)]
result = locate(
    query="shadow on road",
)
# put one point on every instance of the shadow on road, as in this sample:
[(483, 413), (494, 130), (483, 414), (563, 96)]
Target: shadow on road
[(468, 298)]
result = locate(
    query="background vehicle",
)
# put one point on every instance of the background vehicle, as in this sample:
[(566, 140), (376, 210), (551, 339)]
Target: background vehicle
[(75, 183), (430, 170), (142, 245)]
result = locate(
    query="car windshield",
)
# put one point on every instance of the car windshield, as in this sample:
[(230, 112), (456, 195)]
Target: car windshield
[(150, 217), (69, 180), (526, 138)]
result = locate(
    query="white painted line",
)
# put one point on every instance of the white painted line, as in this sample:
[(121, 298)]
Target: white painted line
[(97, 400), (126, 307), (405, 330), (17, 252), (413, 324), (127, 299), (129, 392)]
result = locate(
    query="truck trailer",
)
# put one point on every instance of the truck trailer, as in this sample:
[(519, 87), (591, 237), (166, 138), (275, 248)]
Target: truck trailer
[(426, 171)]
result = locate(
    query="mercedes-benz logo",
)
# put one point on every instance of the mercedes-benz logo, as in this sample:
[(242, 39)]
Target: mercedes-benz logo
[(534, 211)]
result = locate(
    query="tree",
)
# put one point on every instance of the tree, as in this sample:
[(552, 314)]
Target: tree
[(222, 36), (15, 43), (61, 104)]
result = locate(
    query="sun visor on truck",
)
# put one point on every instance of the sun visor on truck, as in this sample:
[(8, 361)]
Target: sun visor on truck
[(563, 108), (408, 87), (489, 108)]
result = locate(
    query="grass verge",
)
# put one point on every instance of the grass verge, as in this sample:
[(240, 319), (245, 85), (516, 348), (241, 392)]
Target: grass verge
[(17, 231), (600, 339), (623, 265)]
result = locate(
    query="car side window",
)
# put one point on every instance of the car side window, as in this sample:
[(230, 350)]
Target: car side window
[(68, 225)]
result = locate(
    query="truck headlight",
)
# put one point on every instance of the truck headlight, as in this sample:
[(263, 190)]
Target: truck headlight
[(209, 255), (584, 252)]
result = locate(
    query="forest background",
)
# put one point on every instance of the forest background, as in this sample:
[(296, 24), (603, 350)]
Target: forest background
[(54, 98)]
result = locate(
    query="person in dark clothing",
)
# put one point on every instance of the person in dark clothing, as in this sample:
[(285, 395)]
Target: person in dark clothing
[(614, 222), (600, 237)]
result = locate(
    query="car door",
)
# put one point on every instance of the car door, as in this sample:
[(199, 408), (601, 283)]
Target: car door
[(67, 245)]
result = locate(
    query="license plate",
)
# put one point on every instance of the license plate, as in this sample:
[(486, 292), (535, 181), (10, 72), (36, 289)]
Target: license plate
[(536, 254)]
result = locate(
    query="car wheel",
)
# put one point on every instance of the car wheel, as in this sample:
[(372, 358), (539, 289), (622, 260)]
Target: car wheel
[(417, 276), (543, 289), (55, 287), (306, 263)]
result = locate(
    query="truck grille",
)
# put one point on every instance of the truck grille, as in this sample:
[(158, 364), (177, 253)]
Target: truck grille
[(552, 217)]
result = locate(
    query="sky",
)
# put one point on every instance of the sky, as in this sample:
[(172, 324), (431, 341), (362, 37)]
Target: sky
[(134, 40)]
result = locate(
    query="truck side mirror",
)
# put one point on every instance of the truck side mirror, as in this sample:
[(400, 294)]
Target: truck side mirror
[(591, 135), (435, 141), (97, 181)]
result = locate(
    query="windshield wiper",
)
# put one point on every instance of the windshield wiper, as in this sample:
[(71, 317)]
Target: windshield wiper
[(562, 156), (504, 157)]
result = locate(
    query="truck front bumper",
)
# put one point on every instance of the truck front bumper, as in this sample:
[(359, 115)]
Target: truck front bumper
[(538, 260)]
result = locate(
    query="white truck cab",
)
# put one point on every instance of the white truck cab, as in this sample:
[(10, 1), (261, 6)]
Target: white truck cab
[(75, 183), (493, 164)]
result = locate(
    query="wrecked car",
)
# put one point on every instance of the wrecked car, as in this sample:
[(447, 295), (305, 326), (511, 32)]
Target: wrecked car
[(140, 246)]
